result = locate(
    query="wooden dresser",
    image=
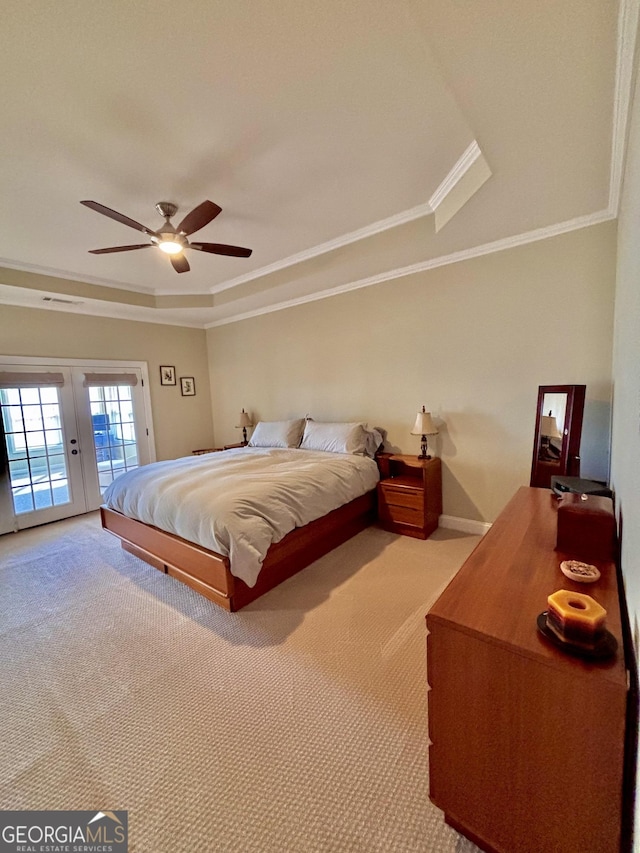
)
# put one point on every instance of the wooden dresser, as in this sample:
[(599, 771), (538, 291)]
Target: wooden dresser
[(527, 742)]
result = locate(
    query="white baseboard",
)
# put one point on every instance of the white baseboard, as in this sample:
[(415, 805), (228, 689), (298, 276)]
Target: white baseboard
[(465, 525)]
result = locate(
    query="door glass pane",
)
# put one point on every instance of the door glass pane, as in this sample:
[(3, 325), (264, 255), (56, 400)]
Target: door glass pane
[(54, 440), (37, 464), (12, 396), (32, 416), (114, 434), (36, 443), (49, 395), (30, 396)]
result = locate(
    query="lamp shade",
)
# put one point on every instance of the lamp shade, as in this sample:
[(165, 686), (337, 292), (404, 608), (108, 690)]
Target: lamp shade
[(245, 419), (424, 424), (549, 427)]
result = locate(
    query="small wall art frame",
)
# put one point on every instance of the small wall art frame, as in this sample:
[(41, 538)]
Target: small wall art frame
[(167, 374), (187, 386)]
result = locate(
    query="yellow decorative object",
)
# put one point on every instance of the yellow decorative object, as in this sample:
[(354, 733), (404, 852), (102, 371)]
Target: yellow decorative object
[(575, 617)]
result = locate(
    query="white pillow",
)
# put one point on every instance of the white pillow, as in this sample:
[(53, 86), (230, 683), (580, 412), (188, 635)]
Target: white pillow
[(335, 437), (277, 433)]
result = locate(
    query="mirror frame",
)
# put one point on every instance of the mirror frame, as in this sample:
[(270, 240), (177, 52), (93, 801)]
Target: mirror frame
[(568, 465)]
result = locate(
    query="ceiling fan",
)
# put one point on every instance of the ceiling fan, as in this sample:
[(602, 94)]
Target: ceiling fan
[(169, 239)]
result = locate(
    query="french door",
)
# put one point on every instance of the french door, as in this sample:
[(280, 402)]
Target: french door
[(67, 432), (38, 418)]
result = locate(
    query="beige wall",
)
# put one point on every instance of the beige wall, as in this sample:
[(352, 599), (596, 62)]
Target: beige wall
[(471, 341), (625, 454), (181, 423)]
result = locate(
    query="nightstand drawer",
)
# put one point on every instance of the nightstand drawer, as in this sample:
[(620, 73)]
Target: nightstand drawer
[(398, 496), (402, 515)]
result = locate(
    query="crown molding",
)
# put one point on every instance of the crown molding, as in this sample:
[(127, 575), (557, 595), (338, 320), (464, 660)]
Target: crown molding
[(459, 171), (628, 17), (36, 269), (461, 167), (423, 266), (330, 246), (152, 315)]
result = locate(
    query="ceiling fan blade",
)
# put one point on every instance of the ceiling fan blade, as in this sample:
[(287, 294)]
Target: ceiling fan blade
[(221, 249), (119, 217), (199, 217), (120, 249), (179, 263)]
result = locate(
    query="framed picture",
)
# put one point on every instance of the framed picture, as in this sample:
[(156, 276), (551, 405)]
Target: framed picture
[(188, 386), (167, 374)]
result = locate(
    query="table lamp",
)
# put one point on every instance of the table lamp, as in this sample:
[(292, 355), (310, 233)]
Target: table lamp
[(548, 430), (424, 426), (245, 421)]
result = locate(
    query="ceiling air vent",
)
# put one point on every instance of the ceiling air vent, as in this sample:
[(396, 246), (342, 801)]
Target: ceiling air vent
[(62, 301)]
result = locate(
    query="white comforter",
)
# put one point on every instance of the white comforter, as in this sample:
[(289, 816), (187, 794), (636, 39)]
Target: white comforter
[(238, 502)]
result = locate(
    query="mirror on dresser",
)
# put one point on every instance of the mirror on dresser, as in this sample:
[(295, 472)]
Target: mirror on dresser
[(556, 444)]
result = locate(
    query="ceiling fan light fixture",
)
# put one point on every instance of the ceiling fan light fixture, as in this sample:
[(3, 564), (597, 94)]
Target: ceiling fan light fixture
[(171, 247)]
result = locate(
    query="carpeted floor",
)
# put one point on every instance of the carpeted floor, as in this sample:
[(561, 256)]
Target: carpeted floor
[(296, 725)]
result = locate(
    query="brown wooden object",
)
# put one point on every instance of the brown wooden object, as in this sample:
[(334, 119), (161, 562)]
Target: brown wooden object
[(209, 573), (586, 527), (409, 494), (527, 741), (560, 455)]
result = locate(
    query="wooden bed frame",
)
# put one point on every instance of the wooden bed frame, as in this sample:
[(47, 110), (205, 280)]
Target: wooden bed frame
[(209, 573)]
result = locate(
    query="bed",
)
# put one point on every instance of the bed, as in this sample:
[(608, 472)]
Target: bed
[(234, 524)]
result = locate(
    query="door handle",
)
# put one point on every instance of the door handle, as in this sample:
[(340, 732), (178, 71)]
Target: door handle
[(74, 452)]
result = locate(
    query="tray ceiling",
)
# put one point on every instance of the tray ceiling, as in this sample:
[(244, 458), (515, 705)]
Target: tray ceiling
[(343, 141)]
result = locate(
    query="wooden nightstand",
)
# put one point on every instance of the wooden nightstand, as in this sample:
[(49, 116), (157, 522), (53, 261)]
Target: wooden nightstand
[(217, 449), (409, 494)]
